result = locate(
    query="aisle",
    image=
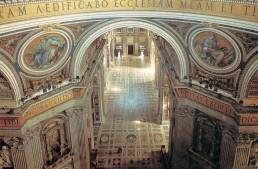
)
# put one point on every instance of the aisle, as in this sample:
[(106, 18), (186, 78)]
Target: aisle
[(132, 119)]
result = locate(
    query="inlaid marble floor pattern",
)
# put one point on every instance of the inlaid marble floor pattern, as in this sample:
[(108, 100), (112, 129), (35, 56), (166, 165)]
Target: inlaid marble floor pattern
[(132, 121)]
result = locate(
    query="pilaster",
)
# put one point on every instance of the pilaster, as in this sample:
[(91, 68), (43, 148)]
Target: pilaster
[(33, 148), (242, 155), (184, 117), (228, 146), (18, 153), (78, 129)]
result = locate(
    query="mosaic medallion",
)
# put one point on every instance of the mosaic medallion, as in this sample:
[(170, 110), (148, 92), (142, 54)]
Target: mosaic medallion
[(131, 138), (44, 52), (214, 50)]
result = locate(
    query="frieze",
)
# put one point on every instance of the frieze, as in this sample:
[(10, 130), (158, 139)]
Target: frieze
[(41, 107), (248, 119), (39, 10), (207, 101)]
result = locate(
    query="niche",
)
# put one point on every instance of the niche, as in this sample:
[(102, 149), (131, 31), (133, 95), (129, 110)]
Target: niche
[(55, 138)]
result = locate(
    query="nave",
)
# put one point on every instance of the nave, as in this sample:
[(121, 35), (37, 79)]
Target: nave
[(132, 121)]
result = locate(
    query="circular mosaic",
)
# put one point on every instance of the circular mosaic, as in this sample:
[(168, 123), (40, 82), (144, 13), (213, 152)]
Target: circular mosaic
[(44, 52), (131, 138), (214, 50)]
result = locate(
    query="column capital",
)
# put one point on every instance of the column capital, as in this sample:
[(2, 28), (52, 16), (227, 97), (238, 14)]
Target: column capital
[(31, 134), (183, 110), (246, 139), (76, 111), (13, 142)]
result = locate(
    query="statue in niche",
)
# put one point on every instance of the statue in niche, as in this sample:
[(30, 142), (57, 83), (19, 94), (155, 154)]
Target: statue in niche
[(56, 140), (166, 105), (5, 154), (253, 159), (207, 138)]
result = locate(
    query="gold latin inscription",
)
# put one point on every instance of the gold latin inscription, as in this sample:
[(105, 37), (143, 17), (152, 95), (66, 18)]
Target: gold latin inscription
[(223, 9), (209, 102), (46, 105)]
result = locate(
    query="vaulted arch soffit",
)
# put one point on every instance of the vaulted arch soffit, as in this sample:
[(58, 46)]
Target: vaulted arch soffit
[(99, 30), (7, 69), (248, 72)]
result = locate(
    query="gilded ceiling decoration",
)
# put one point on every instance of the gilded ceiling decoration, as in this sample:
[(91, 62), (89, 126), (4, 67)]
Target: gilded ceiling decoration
[(78, 29), (9, 43)]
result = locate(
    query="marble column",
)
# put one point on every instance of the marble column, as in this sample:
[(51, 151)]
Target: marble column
[(158, 72), (33, 148), (101, 94), (124, 41), (136, 42)]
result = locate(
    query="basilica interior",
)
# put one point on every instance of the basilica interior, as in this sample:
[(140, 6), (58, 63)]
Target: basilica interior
[(127, 84)]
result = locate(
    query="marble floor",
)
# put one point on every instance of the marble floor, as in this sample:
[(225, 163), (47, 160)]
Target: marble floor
[(132, 122)]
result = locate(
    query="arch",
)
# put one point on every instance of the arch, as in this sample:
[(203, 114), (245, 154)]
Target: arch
[(10, 73), (108, 26), (247, 74)]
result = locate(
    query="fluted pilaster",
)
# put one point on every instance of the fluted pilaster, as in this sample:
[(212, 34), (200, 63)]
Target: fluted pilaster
[(33, 148), (79, 139), (242, 153)]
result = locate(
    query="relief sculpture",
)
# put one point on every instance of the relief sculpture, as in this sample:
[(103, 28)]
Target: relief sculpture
[(225, 83)]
